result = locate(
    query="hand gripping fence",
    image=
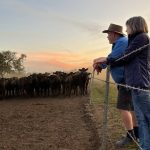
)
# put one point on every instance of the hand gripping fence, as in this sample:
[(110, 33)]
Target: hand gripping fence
[(106, 101)]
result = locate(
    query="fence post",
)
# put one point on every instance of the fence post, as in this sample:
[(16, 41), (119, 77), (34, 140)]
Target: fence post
[(91, 86), (105, 113)]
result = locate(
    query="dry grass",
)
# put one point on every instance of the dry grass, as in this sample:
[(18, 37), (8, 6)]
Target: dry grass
[(115, 126)]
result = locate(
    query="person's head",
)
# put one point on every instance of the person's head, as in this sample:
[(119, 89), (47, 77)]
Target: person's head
[(136, 25), (114, 31), (112, 37)]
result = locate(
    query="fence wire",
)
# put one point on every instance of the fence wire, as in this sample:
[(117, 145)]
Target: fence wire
[(106, 101), (107, 106)]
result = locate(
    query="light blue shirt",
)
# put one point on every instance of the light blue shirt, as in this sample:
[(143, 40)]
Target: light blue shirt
[(118, 49)]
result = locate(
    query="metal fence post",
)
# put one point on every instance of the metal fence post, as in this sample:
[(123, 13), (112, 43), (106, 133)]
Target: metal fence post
[(91, 86), (105, 113)]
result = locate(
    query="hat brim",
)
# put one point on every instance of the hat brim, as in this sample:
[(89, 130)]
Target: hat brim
[(106, 31)]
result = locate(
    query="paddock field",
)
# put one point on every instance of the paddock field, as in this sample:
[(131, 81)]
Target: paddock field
[(47, 124)]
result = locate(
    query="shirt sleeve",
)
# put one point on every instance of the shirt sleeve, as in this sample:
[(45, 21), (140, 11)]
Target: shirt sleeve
[(118, 50)]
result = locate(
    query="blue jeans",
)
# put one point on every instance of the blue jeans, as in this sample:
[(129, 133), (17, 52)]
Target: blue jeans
[(141, 103)]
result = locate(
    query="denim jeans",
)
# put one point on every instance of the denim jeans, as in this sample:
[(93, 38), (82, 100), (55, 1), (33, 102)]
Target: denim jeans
[(141, 103)]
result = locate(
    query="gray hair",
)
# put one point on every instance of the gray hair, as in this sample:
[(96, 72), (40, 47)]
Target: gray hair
[(137, 24)]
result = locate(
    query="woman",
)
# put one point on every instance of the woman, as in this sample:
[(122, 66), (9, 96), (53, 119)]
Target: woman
[(137, 74)]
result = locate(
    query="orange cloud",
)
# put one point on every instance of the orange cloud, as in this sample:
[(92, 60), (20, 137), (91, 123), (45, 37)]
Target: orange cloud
[(46, 61)]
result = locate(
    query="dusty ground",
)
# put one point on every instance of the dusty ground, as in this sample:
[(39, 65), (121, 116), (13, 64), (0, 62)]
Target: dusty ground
[(47, 124), (115, 128)]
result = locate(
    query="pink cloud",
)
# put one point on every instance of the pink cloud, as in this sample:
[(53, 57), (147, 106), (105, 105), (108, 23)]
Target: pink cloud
[(64, 60), (41, 62)]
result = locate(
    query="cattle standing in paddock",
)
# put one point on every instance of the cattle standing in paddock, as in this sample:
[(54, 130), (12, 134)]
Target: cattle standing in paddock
[(2, 88), (23, 86), (68, 84), (62, 76), (75, 83), (41, 85), (83, 80), (55, 84), (44, 84), (11, 87)]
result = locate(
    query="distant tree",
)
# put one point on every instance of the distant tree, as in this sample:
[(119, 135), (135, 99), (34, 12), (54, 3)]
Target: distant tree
[(10, 63)]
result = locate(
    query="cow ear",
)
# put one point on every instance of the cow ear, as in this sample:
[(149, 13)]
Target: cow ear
[(86, 69)]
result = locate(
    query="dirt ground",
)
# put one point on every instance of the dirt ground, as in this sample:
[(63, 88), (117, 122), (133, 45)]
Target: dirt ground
[(115, 129), (47, 124)]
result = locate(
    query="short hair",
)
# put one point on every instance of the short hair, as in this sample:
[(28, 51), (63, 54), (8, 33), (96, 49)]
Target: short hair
[(137, 24)]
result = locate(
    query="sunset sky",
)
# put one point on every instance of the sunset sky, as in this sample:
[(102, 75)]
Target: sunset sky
[(63, 34)]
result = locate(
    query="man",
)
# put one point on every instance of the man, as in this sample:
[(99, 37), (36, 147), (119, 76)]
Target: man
[(124, 102)]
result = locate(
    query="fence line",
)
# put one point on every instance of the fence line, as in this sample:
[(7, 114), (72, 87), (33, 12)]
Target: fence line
[(105, 115), (123, 85), (91, 83), (136, 142), (106, 106), (107, 82)]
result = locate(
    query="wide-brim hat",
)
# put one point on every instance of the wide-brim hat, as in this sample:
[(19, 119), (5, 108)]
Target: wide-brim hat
[(114, 28)]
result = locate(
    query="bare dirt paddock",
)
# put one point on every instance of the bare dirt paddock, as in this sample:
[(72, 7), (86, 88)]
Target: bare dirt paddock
[(47, 124)]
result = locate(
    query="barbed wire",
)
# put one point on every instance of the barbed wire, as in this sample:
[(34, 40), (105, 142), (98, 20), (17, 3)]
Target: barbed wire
[(134, 51), (123, 85), (134, 140)]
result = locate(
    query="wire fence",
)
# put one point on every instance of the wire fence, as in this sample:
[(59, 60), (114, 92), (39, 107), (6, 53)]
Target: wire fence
[(107, 104)]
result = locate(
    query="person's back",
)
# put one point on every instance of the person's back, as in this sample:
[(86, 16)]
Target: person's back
[(138, 70), (118, 49)]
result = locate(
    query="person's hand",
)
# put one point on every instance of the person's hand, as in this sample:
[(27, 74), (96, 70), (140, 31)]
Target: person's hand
[(97, 68), (100, 60), (97, 62)]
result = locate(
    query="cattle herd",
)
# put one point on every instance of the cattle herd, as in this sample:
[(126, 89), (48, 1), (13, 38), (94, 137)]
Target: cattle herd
[(46, 84)]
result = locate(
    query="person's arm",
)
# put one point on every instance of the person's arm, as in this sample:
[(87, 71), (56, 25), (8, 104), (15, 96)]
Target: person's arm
[(138, 42), (117, 51)]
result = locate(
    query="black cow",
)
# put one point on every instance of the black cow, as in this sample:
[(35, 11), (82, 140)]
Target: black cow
[(83, 80), (2, 88), (55, 84)]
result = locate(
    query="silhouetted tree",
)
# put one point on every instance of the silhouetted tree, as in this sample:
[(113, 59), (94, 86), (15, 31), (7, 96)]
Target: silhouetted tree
[(10, 63)]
